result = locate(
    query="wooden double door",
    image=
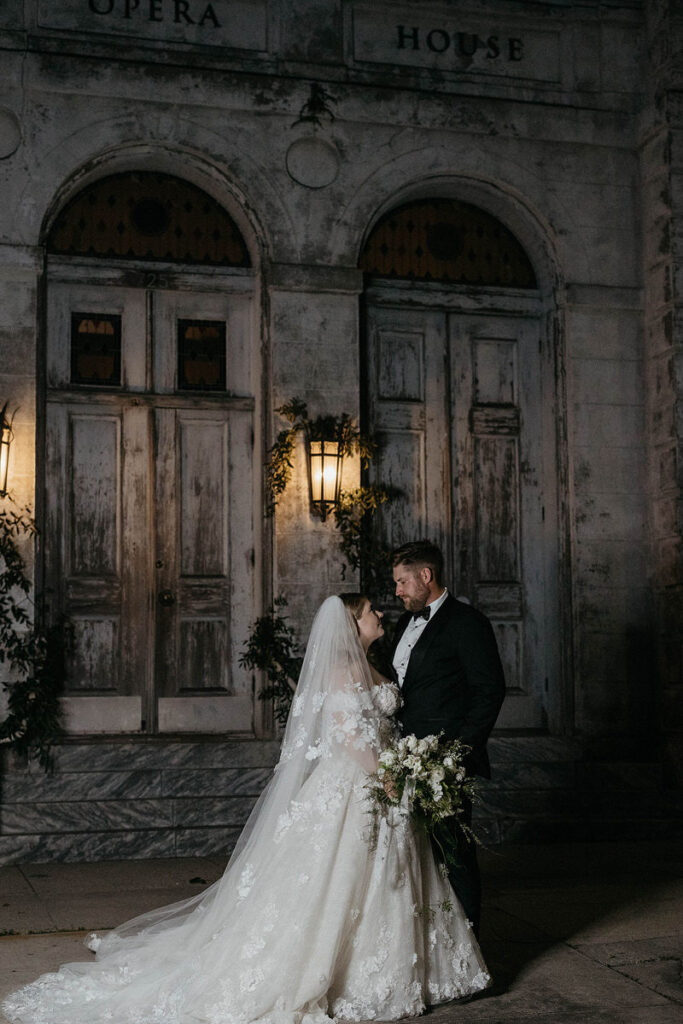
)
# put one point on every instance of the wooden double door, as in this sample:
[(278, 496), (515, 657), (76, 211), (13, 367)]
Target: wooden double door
[(150, 498), (459, 395)]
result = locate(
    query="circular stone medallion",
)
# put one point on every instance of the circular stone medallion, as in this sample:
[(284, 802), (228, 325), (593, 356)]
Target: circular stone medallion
[(10, 133), (312, 162)]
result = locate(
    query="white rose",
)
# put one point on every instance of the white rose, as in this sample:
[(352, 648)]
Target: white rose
[(448, 761), (411, 743), (388, 758), (436, 775)]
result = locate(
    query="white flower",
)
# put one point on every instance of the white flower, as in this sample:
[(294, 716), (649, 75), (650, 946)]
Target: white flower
[(246, 881), (318, 701), (93, 941), (252, 948), (297, 705), (411, 743), (436, 775), (422, 746), (387, 758), (313, 752), (250, 979), (448, 761)]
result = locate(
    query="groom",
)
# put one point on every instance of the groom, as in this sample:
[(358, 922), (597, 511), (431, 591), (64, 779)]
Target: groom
[(446, 662)]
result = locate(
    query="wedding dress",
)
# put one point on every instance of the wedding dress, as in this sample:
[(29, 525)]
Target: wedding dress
[(317, 916)]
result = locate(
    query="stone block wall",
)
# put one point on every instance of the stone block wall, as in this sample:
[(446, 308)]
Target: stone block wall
[(132, 799), (662, 175), (613, 623)]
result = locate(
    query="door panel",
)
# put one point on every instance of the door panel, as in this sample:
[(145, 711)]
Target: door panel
[(407, 366), (456, 402), (498, 470), (92, 543), (196, 480), (150, 511)]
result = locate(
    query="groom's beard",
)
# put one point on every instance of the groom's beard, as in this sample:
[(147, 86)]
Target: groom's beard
[(418, 602)]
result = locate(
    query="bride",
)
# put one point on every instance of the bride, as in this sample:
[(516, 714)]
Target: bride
[(315, 917)]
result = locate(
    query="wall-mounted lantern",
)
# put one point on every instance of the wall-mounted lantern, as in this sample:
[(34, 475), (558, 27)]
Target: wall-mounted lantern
[(324, 474), (6, 436)]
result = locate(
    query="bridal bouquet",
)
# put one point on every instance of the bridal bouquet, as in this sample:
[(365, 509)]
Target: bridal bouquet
[(426, 779)]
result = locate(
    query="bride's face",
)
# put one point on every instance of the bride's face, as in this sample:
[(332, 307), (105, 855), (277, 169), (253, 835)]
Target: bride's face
[(370, 625)]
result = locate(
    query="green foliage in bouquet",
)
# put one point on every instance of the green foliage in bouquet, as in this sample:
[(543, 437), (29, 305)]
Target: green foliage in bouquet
[(36, 657), (272, 649), (425, 778)]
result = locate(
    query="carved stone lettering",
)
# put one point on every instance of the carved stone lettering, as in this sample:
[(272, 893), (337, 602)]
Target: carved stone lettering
[(466, 44), (177, 11), (236, 24), (417, 36)]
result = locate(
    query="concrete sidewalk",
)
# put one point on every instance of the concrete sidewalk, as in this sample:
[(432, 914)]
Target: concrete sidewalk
[(576, 934)]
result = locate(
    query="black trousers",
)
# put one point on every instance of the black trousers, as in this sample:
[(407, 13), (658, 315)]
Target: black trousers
[(464, 874)]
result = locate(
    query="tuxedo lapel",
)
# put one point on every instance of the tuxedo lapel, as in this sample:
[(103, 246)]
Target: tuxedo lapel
[(430, 633)]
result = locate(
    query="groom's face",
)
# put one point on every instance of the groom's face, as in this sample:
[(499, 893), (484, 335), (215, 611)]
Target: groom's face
[(412, 586)]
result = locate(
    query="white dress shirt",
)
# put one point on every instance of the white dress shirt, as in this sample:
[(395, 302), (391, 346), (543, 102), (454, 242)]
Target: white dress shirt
[(411, 635)]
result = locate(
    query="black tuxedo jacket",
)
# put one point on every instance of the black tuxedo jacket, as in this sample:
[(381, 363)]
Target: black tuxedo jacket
[(454, 682)]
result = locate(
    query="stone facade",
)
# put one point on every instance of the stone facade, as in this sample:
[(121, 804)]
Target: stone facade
[(563, 122)]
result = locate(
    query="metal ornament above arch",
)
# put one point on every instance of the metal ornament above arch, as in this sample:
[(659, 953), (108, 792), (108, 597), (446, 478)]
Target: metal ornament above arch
[(449, 242), (148, 215)]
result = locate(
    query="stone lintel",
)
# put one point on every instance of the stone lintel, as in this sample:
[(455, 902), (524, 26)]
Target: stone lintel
[(296, 277), (601, 296)]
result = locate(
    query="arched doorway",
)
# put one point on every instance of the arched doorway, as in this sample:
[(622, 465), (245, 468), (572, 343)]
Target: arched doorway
[(150, 480), (460, 392)]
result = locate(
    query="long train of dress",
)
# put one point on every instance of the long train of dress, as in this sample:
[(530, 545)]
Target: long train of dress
[(323, 922)]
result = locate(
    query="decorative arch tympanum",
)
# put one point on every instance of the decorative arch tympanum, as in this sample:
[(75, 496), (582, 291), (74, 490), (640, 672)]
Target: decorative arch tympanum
[(147, 215), (447, 242)]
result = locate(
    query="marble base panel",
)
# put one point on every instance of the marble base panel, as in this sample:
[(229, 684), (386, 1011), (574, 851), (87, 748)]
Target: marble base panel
[(159, 754), (75, 847), (169, 798)]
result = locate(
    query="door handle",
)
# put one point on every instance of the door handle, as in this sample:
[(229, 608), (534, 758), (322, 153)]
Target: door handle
[(166, 598)]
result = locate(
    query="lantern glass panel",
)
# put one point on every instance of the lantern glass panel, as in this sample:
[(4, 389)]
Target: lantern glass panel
[(4, 459)]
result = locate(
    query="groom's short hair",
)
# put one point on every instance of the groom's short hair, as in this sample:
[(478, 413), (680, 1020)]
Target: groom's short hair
[(421, 554)]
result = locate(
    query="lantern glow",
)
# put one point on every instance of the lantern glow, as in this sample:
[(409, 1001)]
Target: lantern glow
[(325, 469), (6, 436)]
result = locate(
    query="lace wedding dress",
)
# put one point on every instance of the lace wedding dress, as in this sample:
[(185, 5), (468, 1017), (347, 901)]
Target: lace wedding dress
[(315, 917)]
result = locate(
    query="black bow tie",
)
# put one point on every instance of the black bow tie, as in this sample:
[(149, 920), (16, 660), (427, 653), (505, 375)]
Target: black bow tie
[(424, 614)]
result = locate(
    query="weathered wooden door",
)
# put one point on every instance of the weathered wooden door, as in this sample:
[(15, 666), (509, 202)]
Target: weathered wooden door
[(150, 498), (456, 396)]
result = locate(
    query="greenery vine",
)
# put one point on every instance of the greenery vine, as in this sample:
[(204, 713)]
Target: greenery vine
[(272, 649), (342, 428), (271, 646), (34, 656)]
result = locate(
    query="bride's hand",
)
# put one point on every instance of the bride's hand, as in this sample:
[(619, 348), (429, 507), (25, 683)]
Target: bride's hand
[(390, 790)]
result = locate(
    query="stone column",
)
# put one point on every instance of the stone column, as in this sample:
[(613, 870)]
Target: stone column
[(662, 172), (315, 357), (19, 275)]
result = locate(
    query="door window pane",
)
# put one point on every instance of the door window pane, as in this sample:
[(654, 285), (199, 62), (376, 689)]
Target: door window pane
[(96, 349), (201, 355)]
